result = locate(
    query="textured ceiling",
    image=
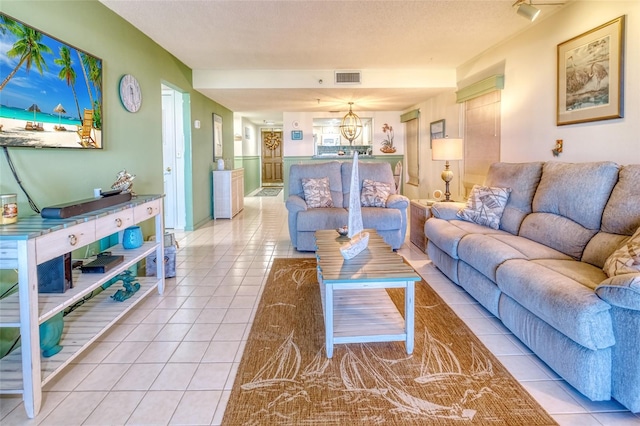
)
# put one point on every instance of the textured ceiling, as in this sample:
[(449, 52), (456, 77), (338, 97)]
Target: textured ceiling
[(302, 35)]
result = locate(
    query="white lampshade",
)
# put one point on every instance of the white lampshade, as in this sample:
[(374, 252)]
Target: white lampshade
[(447, 149), (528, 11)]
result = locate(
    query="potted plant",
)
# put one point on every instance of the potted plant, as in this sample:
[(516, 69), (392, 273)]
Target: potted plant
[(387, 143)]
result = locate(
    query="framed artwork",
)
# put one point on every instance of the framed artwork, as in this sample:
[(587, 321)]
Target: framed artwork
[(296, 135), (590, 75), (436, 131), (217, 137), (247, 133), (53, 99)]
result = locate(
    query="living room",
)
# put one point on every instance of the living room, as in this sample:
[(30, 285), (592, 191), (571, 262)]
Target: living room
[(133, 141)]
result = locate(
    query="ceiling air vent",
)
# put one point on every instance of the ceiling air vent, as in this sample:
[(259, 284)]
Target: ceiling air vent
[(348, 77)]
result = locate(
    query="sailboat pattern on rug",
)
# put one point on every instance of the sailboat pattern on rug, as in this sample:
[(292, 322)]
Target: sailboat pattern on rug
[(363, 383)]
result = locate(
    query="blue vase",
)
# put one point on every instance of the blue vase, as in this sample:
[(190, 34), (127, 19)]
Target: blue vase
[(50, 333), (132, 237)]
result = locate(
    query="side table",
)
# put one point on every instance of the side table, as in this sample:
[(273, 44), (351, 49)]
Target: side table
[(420, 211)]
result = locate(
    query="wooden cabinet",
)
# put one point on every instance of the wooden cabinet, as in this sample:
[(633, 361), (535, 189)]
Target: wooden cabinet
[(228, 193), (420, 211), (32, 241)]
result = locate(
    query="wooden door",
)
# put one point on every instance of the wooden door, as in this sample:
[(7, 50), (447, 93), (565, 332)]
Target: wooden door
[(272, 157)]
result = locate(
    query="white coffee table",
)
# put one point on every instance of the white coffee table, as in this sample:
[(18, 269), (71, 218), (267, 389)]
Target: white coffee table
[(356, 305)]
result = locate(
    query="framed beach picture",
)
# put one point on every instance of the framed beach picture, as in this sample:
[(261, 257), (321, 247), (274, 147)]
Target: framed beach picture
[(436, 131), (217, 137), (52, 97), (590, 75)]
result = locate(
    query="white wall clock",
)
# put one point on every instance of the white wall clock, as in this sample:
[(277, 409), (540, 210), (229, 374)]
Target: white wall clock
[(130, 93)]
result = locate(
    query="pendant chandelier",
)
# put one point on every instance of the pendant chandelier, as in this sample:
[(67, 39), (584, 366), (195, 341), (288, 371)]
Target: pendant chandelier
[(351, 126)]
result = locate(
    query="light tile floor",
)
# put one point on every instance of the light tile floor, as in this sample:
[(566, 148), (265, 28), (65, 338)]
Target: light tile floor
[(173, 359)]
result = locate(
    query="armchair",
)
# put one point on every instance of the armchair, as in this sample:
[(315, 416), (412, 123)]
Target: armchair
[(389, 221)]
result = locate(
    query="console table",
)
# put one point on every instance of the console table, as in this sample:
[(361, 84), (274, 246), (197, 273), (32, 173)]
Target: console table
[(356, 305), (32, 241)]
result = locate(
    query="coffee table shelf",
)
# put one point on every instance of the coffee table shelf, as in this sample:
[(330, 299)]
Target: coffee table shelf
[(356, 305)]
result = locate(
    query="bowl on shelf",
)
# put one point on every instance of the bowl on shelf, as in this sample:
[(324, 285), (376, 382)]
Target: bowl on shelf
[(343, 231)]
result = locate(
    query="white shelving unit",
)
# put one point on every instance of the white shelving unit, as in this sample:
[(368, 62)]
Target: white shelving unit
[(34, 240), (228, 193)]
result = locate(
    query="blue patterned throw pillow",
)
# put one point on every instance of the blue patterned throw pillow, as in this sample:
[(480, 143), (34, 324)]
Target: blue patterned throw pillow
[(374, 194), (485, 205), (317, 192)]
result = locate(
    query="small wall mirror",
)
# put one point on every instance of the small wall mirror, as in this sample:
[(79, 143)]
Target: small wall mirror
[(328, 140)]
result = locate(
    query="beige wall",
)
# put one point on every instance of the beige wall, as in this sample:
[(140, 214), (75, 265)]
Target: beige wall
[(528, 124)]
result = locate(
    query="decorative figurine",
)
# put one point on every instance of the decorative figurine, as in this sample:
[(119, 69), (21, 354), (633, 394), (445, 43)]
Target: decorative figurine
[(359, 240), (124, 182), (130, 286)]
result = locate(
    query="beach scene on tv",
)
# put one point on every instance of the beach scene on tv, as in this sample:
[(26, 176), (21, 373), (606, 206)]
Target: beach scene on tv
[(50, 92)]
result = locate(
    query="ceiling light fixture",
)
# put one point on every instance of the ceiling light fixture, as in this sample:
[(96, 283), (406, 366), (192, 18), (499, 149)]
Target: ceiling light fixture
[(351, 126), (527, 10)]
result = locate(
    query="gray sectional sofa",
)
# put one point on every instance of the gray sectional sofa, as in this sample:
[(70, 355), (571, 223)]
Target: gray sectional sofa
[(541, 273), (389, 221)]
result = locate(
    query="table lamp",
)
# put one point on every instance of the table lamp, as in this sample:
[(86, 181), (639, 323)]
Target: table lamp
[(446, 150)]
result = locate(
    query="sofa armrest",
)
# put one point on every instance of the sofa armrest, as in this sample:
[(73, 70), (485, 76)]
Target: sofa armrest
[(397, 201), (446, 210), (295, 203), (621, 290)]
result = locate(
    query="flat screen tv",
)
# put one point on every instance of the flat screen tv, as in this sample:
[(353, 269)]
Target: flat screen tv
[(50, 92)]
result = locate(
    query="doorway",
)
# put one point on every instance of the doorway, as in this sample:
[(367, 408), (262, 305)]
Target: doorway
[(272, 157), (173, 168)]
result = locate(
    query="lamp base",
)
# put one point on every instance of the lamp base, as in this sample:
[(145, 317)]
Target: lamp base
[(446, 176)]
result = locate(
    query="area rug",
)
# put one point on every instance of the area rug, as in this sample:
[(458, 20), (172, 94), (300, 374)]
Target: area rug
[(284, 377), (268, 192)]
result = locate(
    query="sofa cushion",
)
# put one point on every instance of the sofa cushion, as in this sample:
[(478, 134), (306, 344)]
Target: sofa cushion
[(329, 218), (317, 193), (523, 179), (622, 212), (577, 191), (600, 248), (487, 252), (447, 234), (626, 259), (561, 293), (381, 219), (329, 169), (568, 205), (557, 232), (485, 205), (374, 193), (380, 172)]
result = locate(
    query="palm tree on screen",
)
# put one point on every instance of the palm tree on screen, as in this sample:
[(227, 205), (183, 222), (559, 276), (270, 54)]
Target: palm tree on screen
[(67, 73), (27, 47)]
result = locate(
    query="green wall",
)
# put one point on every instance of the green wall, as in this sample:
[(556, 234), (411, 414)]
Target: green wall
[(252, 168), (131, 141)]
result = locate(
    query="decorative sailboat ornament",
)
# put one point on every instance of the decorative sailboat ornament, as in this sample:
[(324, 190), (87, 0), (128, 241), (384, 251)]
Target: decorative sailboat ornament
[(359, 239)]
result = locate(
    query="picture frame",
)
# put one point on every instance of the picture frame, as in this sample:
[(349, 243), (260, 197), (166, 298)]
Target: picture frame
[(296, 135), (590, 84), (217, 137), (436, 131), (247, 133), (58, 103)]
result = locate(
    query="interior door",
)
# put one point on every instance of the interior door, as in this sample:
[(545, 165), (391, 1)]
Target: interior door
[(272, 157), (169, 159), (174, 134)]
